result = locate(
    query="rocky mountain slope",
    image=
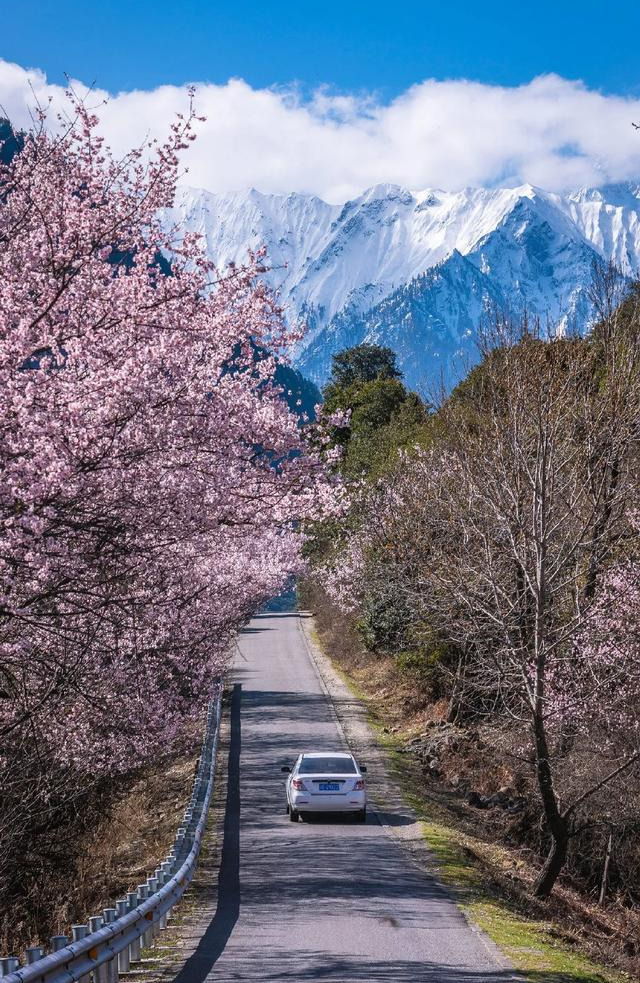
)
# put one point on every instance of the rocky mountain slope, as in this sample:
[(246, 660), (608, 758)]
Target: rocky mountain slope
[(420, 270)]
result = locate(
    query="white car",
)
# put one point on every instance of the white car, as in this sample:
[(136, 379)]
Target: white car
[(326, 782)]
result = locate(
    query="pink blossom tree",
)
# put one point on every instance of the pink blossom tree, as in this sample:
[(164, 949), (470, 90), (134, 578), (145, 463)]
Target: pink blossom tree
[(604, 678), (154, 481)]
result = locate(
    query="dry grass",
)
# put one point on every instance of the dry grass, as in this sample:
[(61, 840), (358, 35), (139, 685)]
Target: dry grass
[(113, 842)]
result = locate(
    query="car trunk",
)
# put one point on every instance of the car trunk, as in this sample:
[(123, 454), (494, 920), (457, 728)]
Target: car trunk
[(324, 784)]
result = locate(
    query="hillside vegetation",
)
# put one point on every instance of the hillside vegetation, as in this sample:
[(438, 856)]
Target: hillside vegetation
[(488, 562)]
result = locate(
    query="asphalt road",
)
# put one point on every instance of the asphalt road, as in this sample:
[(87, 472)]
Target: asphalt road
[(319, 900)]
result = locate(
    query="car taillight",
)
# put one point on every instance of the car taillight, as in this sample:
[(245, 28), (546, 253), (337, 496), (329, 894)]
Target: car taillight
[(359, 785), (298, 784)]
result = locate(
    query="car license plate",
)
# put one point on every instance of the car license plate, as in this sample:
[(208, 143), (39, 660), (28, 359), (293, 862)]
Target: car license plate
[(329, 787)]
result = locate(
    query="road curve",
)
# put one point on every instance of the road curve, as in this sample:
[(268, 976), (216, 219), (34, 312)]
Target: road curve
[(322, 900)]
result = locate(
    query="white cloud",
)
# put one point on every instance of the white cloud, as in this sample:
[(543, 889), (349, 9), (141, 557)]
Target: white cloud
[(550, 132)]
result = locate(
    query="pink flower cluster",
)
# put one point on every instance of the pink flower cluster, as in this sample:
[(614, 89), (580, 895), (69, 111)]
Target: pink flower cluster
[(601, 680)]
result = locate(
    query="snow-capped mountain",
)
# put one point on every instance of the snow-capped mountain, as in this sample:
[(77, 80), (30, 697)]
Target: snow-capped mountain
[(419, 270)]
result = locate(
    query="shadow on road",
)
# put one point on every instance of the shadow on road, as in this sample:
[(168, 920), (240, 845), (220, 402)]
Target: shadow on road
[(272, 615), (213, 942), (308, 964), (313, 965)]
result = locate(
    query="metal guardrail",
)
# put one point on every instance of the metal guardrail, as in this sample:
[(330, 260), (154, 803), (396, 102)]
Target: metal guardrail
[(106, 947)]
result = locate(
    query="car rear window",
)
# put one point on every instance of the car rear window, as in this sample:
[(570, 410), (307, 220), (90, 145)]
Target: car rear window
[(326, 766)]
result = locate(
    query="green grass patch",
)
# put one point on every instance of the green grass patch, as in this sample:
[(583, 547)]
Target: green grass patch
[(530, 945)]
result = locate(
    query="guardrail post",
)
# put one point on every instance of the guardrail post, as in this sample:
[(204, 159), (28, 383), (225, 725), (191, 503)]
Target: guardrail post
[(134, 948), (79, 932), (34, 953), (152, 885), (143, 894), (100, 972), (161, 880), (58, 942), (112, 966), (122, 907), (165, 867), (179, 841), (9, 965)]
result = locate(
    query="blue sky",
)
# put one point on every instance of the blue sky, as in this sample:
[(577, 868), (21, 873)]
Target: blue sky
[(332, 98), (352, 45)]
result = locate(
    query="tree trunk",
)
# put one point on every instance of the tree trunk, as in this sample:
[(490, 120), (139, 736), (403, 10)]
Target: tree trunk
[(554, 863), (605, 873), (557, 823), (453, 709), (455, 700)]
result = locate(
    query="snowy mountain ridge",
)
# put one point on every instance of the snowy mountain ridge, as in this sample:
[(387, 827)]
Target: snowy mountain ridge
[(416, 270)]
